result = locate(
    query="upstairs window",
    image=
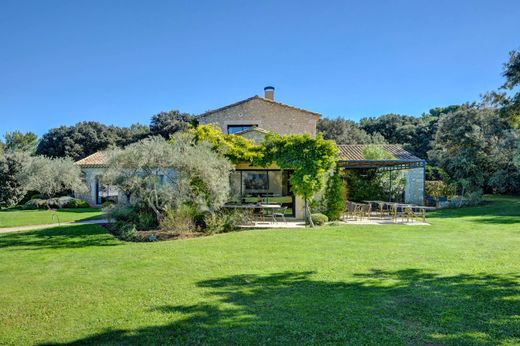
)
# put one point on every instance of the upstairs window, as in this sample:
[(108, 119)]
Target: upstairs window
[(232, 129)]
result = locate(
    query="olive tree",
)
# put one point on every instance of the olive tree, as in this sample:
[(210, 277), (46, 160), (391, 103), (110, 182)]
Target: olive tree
[(50, 176), (168, 174)]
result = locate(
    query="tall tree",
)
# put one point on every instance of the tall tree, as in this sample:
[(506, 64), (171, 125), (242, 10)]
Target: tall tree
[(507, 98), (476, 147), (344, 131), (17, 140), (11, 189), (166, 124)]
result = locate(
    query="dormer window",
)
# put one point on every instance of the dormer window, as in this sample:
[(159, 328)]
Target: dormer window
[(232, 129)]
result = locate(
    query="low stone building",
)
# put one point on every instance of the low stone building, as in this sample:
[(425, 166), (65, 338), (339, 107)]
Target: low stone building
[(253, 118)]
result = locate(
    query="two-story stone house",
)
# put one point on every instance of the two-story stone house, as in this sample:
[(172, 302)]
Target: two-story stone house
[(253, 118)]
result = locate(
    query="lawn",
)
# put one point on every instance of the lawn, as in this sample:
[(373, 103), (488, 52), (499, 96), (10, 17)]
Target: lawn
[(454, 282), (17, 217)]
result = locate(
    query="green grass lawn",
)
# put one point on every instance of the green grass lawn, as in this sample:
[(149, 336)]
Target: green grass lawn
[(454, 282), (17, 217)]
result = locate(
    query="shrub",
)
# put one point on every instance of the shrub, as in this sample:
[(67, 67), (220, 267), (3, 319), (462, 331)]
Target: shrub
[(226, 220), (335, 196), (181, 220), (125, 231), (319, 219), (55, 203), (35, 203), (119, 213), (77, 203)]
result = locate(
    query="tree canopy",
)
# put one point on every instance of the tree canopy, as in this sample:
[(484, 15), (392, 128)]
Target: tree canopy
[(476, 147), (17, 140), (166, 124)]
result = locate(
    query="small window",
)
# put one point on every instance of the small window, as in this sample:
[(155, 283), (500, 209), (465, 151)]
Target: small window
[(232, 129)]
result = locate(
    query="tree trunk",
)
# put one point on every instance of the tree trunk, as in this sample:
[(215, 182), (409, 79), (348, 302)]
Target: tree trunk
[(308, 217)]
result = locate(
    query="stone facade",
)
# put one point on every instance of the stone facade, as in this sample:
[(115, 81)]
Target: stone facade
[(414, 190), (266, 114)]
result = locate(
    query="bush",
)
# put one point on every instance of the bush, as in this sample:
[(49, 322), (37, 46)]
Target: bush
[(55, 203), (335, 196), (226, 220), (181, 220), (319, 219), (77, 203), (125, 231), (119, 212), (35, 204)]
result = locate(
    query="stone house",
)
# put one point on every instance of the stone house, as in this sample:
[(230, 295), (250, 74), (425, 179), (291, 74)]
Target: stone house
[(253, 118)]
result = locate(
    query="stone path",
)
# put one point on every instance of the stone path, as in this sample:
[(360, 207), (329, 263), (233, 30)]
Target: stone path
[(37, 227)]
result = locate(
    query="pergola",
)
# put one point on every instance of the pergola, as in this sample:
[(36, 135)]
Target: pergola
[(352, 157)]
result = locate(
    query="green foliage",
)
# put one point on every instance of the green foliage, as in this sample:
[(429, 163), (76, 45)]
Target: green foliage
[(309, 158), (51, 176), (165, 124), (476, 147), (17, 140), (138, 216), (236, 148), (86, 138), (507, 98), (343, 131), (335, 196), (438, 188), (12, 190), (319, 219), (226, 220), (180, 220), (375, 152), (55, 203), (165, 174)]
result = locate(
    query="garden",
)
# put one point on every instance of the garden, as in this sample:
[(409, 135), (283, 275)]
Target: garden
[(453, 282)]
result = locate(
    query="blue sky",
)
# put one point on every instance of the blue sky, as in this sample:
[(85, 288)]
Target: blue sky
[(120, 62)]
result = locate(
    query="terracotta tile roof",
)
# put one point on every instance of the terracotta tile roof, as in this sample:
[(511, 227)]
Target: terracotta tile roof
[(256, 97), (354, 152), (98, 159)]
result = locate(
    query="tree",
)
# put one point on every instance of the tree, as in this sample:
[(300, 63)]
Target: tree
[(17, 140), (344, 131), (86, 138), (507, 98), (335, 196), (78, 141), (236, 148), (51, 176), (166, 124), (11, 190), (309, 159), (476, 147), (168, 175)]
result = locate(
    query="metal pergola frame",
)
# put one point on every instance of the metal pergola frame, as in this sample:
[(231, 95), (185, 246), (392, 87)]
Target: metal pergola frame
[(383, 166)]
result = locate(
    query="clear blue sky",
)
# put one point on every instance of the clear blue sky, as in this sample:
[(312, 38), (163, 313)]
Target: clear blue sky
[(120, 62)]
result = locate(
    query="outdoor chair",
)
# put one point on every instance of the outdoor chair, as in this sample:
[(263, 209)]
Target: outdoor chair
[(279, 213), (349, 210), (409, 214)]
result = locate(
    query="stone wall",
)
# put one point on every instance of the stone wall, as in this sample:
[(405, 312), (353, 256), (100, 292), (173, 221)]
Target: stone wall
[(267, 115), (414, 190)]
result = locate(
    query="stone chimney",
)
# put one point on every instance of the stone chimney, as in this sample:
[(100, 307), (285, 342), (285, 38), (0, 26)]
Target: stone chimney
[(269, 93)]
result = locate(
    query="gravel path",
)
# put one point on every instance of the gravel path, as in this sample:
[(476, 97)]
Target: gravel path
[(36, 227)]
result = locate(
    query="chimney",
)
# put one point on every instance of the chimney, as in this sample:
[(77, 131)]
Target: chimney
[(269, 93)]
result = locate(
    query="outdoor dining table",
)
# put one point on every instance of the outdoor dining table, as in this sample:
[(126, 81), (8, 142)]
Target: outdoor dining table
[(261, 208), (253, 206)]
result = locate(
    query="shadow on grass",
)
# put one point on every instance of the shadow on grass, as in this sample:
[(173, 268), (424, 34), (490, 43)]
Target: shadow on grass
[(380, 307), (58, 237)]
